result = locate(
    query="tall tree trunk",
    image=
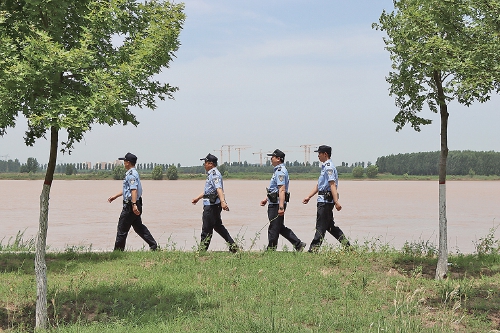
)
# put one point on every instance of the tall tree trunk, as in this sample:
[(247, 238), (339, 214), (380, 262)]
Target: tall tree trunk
[(41, 240), (442, 265)]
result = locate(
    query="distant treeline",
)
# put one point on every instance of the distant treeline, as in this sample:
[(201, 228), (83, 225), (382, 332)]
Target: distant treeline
[(292, 167), (459, 162)]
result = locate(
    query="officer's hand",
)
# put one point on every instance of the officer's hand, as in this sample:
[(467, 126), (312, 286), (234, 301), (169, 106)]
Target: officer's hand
[(281, 211), (194, 201), (306, 200), (110, 199), (263, 202), (136, 210), (224, 206), (338, 206)]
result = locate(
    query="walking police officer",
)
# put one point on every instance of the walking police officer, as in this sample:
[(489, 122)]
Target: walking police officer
[(213, 203), (327, 199), (132, 206), (277, 198)]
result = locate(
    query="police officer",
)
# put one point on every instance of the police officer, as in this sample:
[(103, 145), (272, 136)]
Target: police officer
[(213, 203), (132, 206), (277, 198), (327, 199)]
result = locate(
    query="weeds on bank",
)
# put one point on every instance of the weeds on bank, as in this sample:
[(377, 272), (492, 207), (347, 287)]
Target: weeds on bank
[(18, 243), (370, 288)]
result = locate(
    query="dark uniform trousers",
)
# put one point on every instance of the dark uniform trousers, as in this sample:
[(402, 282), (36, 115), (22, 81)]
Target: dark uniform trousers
[(129, 219), (212, 221), (277, 228), (324, 223)]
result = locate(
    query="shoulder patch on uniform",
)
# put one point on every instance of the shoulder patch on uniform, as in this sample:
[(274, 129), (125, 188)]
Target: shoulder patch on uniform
[(216, 180), (330, 172), (281, 178), (132, 181)]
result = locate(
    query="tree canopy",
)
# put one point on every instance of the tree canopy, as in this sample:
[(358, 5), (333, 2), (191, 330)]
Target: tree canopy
[(71, 64), (441, 50)]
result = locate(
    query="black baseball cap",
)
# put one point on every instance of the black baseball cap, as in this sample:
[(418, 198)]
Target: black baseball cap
[(209, 158), (277, 153), (324, 149), (129, 157)]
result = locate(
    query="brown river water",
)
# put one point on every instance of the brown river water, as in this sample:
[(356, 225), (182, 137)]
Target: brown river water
[(386, 212)]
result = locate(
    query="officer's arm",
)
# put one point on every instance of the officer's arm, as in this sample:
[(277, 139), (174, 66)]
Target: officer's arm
[(314, 191), (195, 200), (281, 199), (133, 194), (113, 197), (222, 198), (335, 194)]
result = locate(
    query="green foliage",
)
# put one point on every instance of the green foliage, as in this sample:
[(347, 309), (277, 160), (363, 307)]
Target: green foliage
[(371, 171), (62, 66), (488, 245), (472, 173), (70, 169), (31, 166), (119, 172), (223, 168), (426, 163), (18, 243), (440, 51), (358, 172), (172, 173), (157, 173)]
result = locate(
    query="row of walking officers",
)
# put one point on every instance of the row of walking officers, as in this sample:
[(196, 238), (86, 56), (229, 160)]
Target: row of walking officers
[(214, 202)]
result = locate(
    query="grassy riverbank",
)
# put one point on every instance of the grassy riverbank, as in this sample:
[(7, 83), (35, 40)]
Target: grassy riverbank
[(249, 176), (371, 289)]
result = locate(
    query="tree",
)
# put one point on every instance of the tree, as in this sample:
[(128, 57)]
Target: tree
[(67, 66), (119, 172), (371, 171), (157, 173), (172, 173), (358, 172), (70, 169), (441, 51)]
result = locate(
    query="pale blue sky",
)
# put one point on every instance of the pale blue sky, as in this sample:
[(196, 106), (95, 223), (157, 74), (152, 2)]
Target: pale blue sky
[(275, 74)]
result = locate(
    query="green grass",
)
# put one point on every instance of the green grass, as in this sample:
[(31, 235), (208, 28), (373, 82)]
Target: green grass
[(373, 288)]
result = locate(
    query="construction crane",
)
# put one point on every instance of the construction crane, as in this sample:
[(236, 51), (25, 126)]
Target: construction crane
[(229, 152), (219, 150), (239, 149), (260, 155), (307, 152)]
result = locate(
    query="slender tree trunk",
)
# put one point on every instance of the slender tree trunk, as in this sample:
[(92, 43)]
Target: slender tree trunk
[(442, 265), (41, 240)]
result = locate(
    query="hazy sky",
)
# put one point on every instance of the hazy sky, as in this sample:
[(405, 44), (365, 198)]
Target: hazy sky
[(272, 74)]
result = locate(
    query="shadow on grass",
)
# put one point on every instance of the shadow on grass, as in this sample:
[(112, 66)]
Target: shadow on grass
[(129, 305), (23, 263), (461, 266)]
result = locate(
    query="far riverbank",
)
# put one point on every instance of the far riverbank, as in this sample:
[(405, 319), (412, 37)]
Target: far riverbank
[(107, 175)]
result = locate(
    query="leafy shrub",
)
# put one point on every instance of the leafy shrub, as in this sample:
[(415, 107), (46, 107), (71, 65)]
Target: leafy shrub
[(358, 172), (372, 171), (488, 244), (119, 172), (157, 173), (172, 173)]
